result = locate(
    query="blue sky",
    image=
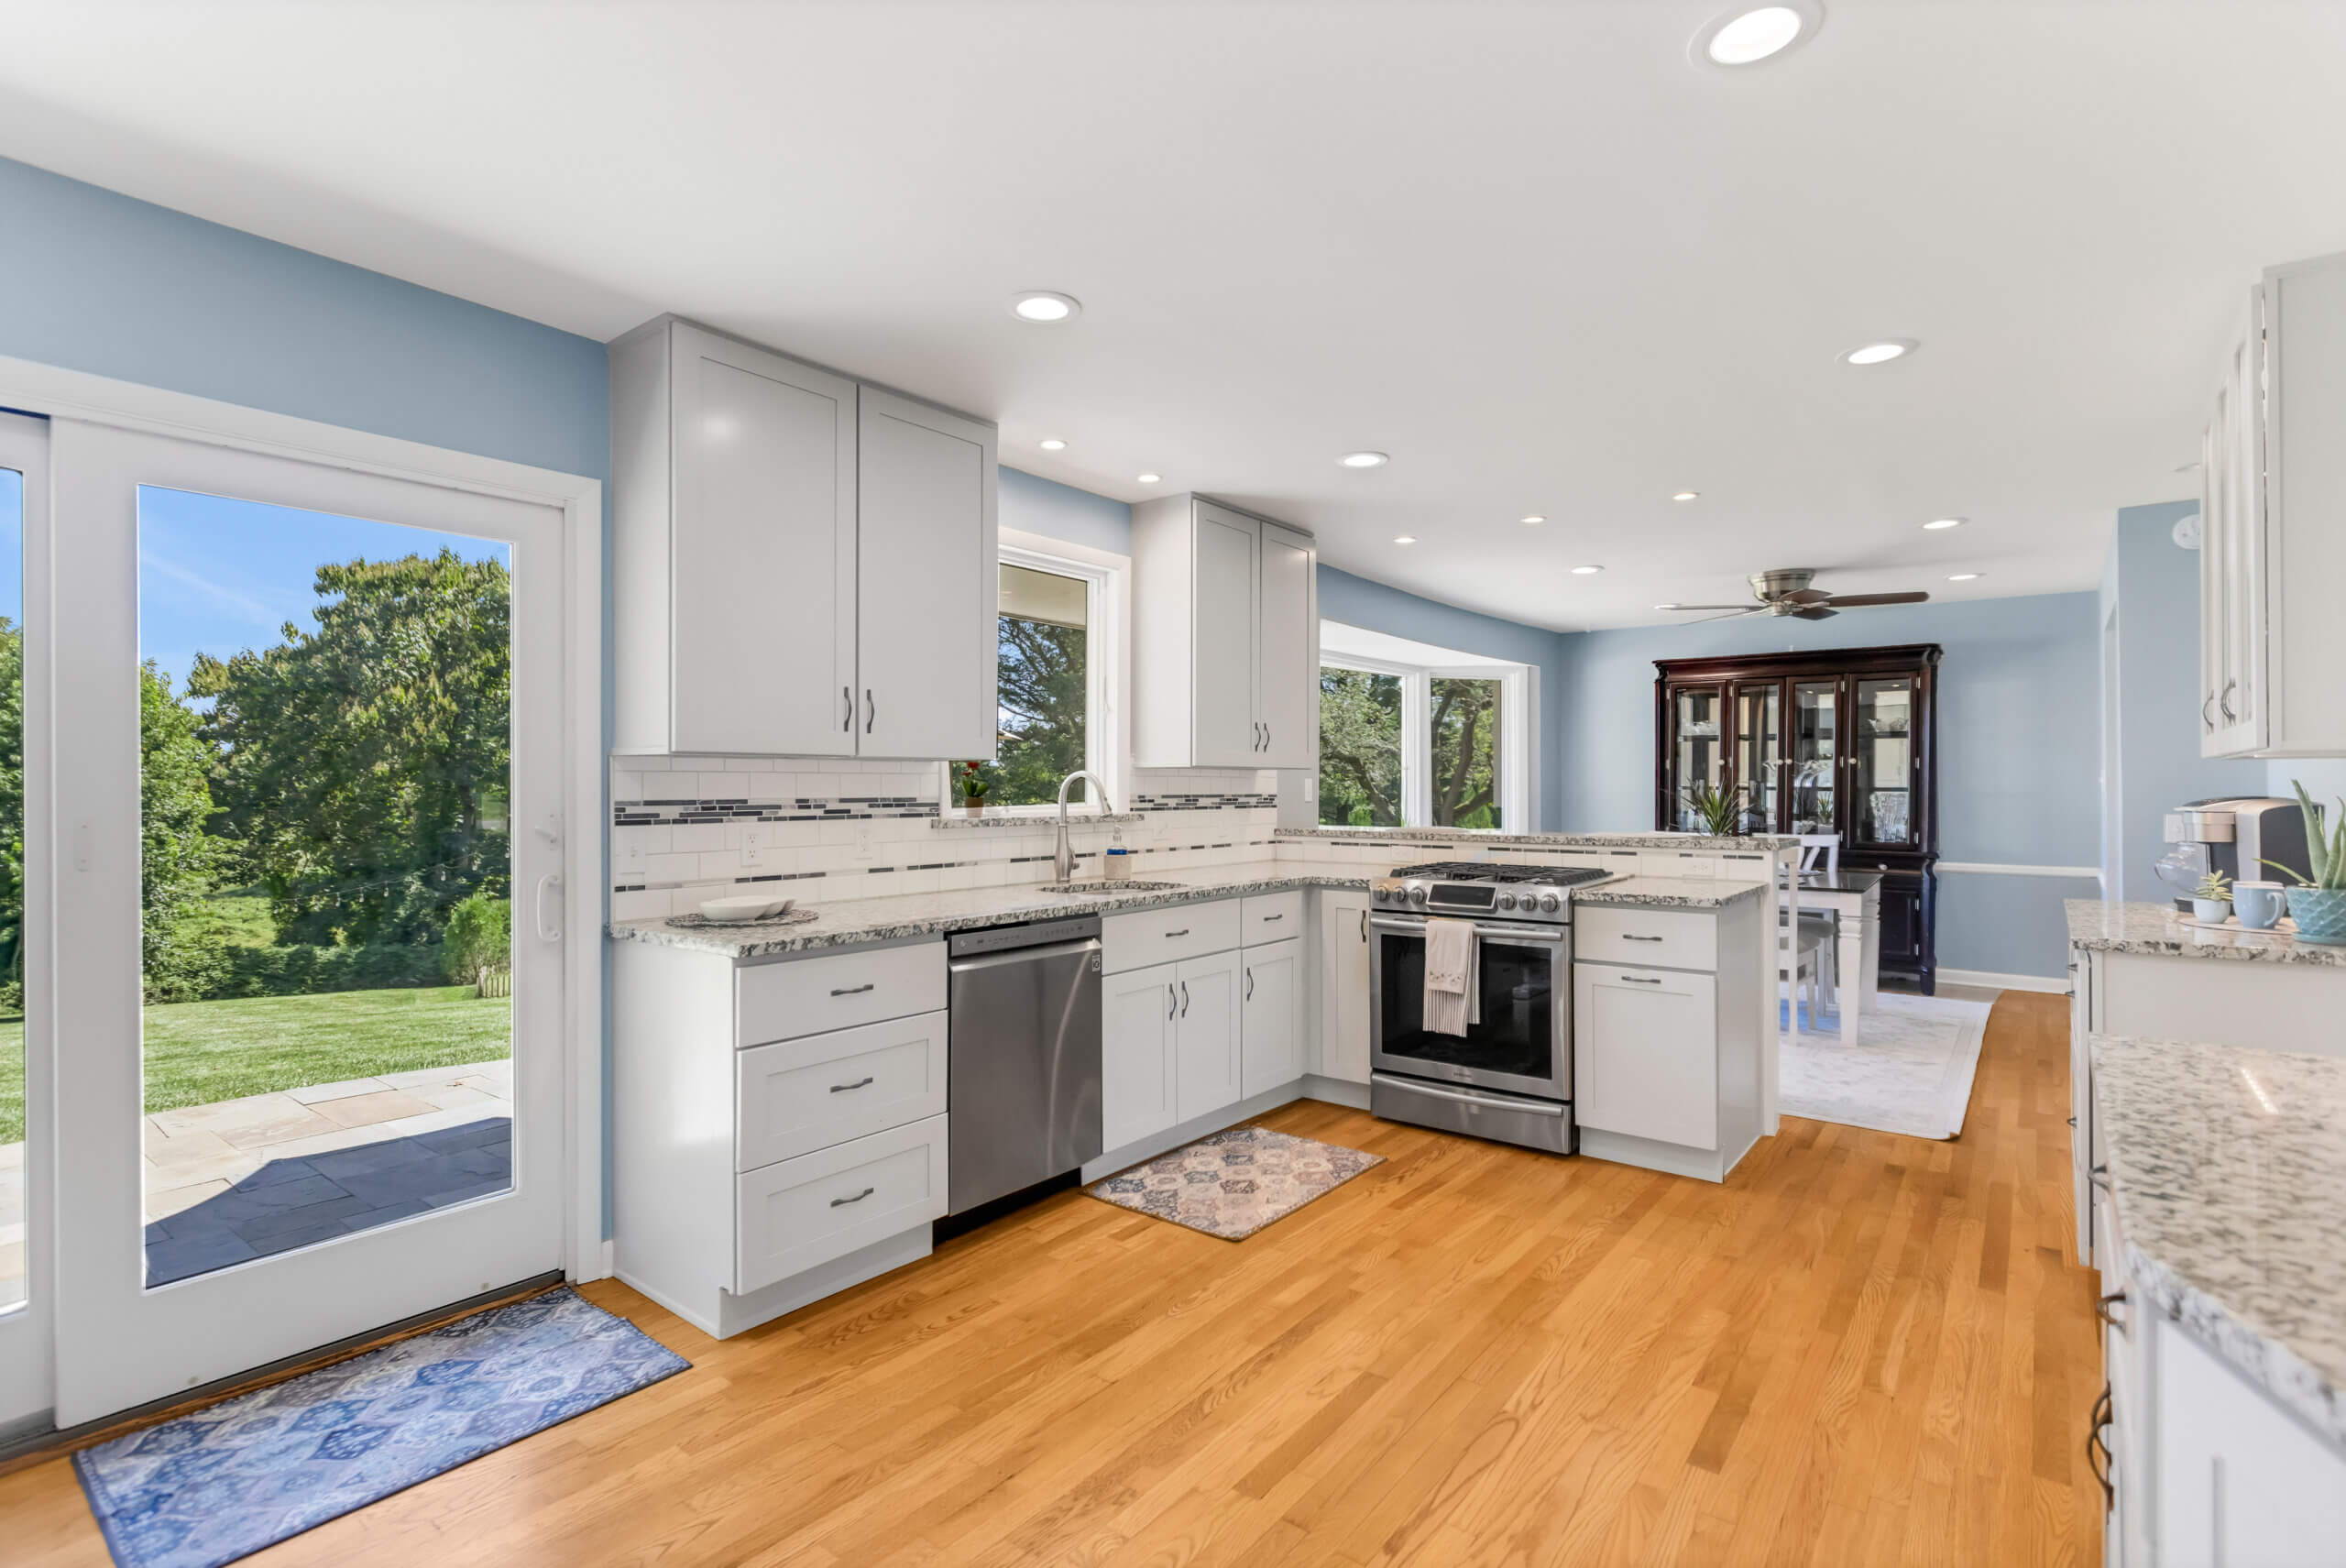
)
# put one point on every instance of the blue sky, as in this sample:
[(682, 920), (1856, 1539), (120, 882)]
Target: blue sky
[(218, 576)]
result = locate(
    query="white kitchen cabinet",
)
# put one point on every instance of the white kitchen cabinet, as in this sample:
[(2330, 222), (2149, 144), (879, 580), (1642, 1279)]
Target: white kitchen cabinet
[(2235, 1481), (1271, 1015), (2272, 524), (1646, 1056), (1345, 978), (1208, 1069), (1226, 638), (1137, 1096), (800, 565)]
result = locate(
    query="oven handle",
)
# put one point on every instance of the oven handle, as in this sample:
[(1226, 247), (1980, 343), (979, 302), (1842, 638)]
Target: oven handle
[(1418, 1086), (1555, 936)]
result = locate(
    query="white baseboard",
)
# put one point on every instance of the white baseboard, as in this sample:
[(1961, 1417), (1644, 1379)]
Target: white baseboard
[(2057, 985)]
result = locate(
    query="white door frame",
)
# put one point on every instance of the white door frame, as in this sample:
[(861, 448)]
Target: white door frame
[(69, 394)]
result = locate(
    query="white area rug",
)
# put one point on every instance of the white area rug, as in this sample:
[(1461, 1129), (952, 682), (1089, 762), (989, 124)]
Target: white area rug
[(1910, 1071)]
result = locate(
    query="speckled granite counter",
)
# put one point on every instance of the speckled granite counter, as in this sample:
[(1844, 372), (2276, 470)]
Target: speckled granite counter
[(2225, 1165), (1689, 843), (855, 921), (2156, 929)]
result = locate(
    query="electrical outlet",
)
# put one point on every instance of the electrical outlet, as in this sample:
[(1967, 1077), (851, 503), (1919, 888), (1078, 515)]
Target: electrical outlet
[(863, 840), (754, 844), (631, 853)]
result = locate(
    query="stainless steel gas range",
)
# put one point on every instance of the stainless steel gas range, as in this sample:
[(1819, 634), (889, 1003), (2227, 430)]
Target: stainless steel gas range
[(1509, 1077)]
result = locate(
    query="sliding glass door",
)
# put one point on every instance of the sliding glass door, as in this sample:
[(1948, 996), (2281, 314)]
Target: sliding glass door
[(28, 1278)]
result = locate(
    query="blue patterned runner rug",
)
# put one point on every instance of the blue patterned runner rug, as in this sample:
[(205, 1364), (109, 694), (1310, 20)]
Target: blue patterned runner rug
[(210, 1487)]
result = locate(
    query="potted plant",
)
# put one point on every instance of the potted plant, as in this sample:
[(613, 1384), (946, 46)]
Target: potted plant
[(973, 789), (2212, 900), (2318, 904), (1719, 811)]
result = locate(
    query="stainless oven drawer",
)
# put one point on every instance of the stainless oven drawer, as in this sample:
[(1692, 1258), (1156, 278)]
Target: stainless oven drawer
[(1478, 1112)]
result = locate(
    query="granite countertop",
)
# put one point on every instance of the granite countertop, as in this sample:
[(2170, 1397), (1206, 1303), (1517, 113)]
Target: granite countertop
[(852, 922), (2156, 928), (2224, 1162), (1669, 892), (1686, 843)]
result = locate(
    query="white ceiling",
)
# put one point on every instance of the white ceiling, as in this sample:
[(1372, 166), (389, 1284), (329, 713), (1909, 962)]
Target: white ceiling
[(1527, 248)]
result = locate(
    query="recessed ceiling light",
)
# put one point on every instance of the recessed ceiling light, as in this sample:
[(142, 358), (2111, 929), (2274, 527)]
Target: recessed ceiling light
[(1405, 539), (1965, 577), (1054, 444), (1686, 496), (1585, 571), (1938, 522), (1749, 34), (1363, 459), (1535, 517), (1042, 305), (1881, 352), (1148, 478)]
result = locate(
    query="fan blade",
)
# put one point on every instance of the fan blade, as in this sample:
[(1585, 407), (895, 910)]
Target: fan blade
[(1803, 595), (1739, 609), (1815, 612), (1853, 601), (1731, 615)]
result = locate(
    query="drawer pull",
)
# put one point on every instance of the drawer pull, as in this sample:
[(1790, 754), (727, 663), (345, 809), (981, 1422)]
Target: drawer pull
[(842, 1202), (1637, 979), (1182, 932), (2101, 1309), (1633, 936), (843, 1088), (851, 990), (1269, 918)]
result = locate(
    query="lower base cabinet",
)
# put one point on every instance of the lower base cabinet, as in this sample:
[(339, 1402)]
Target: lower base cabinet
[(1646, 1053), (1345, 998), (1139, 1009), (1270, 1004), (1207, 1071)]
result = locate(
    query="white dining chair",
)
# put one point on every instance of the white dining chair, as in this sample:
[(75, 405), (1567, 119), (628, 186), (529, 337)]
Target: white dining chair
[(1812, 974), (1820, 846)]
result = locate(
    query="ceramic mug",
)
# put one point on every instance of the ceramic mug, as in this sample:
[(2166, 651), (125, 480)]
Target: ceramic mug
[(2258, 904)]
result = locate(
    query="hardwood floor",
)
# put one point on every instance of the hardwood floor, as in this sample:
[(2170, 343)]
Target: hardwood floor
[(1862, 1349)]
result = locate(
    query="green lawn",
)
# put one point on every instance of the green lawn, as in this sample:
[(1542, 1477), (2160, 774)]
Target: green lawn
[(198, 1052)]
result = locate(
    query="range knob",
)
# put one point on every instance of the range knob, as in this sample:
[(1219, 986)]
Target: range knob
[(1550, 904), (1418, 895), (1380, 895), (1507, 900)]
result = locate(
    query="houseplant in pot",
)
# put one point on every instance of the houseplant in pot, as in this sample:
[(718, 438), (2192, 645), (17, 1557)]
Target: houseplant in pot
[(2212, 900), (1716, 812), (2317, 903), (973, 789)]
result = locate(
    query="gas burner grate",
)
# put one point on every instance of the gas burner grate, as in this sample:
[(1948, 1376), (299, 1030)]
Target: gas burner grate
[(1497, 871)]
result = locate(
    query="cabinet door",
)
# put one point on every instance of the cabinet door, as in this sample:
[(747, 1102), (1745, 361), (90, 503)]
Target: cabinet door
[(1885, 757), (1645, 1053), (1344, 986), (929, 595), (2237, 1482), (1759, 759), (1226, 567), (1270, 1015), (1288, 676), (1902, 922), (1698, 750), (1207, 1070), (1136, 1076), (762, 552), (1813, 779)]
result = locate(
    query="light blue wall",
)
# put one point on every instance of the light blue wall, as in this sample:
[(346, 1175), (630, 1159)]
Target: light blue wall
[(2017, 752), (1358, 601), (1036, 505), (2156, 585)]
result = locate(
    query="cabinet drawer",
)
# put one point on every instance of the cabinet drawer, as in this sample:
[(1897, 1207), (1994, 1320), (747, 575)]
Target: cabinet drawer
[(815, 997), (1148, 936), (1671, 938), (1270, 916), (791, 1216), (797, 1096)]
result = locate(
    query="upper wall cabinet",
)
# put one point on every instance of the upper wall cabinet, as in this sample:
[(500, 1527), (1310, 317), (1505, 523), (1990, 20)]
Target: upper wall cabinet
[(2273, 525), (1226, 638), (800, 565)]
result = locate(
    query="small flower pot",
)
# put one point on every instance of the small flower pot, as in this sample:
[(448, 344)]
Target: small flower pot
[(2215, 911), (973, 808), (2320, 915)]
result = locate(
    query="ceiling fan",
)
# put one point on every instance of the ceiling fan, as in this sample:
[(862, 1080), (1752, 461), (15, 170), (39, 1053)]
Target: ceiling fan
[(1786, 592)]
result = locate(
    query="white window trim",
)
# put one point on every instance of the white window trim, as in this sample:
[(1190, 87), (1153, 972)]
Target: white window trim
[(1107, 608), (1518, 784)]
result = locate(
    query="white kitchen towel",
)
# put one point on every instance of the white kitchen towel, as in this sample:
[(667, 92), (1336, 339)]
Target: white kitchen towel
[(1453, 992)]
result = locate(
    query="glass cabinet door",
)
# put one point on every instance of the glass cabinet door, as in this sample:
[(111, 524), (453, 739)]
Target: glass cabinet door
[(1815, 744), (1696, 753), (1883, 762), (1760, 754)]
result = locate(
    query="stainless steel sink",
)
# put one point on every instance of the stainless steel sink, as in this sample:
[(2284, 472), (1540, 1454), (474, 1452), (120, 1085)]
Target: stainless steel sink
[(1103, 885)]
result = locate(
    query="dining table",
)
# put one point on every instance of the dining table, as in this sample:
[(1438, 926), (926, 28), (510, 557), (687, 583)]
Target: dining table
[(1855, 899)]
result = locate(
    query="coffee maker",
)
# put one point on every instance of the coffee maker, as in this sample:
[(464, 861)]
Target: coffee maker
[(2243, 838)]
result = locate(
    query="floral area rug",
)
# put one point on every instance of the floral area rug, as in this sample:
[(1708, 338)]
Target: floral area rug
[(229, 1479), (1233, 1183)]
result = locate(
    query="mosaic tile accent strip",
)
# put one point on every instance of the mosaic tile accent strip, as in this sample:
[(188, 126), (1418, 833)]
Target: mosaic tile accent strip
[(1205, 802), (845, 808)]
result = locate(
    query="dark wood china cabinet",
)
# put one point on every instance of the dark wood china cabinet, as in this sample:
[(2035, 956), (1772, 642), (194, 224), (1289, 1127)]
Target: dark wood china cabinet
[(1841, 740)]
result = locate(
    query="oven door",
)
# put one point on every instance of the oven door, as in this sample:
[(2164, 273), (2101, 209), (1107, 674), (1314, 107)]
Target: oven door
[(1523, 1041)]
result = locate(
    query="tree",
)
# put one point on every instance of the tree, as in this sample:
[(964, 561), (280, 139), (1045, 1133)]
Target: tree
[(1360, 748), (363, 766), (1465, 748), (1044, 696), (177, 857), (12, 815)]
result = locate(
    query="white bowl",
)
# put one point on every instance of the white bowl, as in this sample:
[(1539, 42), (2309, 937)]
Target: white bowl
[(741, 911)]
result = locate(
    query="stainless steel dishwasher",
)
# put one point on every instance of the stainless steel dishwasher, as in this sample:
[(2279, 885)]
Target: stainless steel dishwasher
[(1025, 1074)]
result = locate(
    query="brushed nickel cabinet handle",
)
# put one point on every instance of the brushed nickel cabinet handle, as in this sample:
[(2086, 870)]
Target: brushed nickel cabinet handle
[(847, 695), (851, 990), (870, 711), (843, 1088), (1633, 936), (1182, 932), (1250, 982), (2224, 703), (1634, 980), (1269, 918), (2207, 720), (1172, 1007), (1185, 999), (843, 1202)]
